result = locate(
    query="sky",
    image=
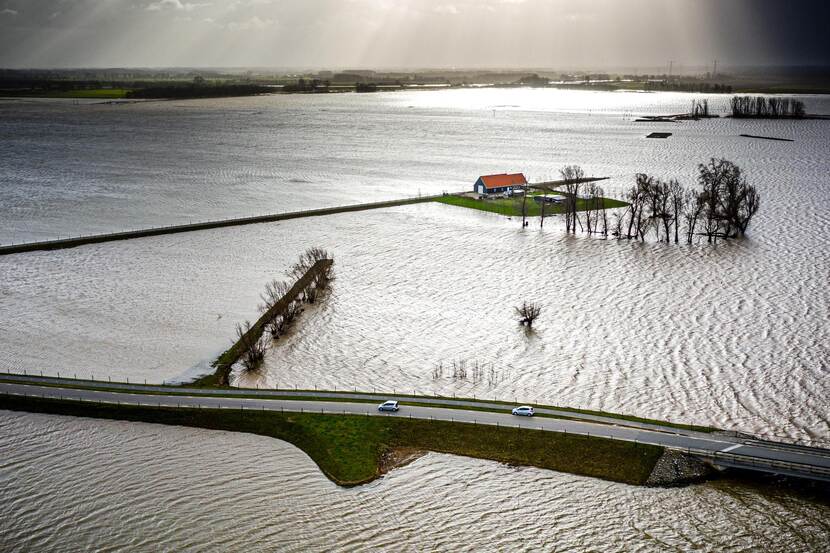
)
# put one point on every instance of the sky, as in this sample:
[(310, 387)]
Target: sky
[(412, 33)]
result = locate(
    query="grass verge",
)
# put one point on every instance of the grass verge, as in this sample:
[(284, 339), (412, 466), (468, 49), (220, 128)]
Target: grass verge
[(348, 448)]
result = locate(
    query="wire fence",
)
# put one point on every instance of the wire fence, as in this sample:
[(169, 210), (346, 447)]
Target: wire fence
[(70, 240)]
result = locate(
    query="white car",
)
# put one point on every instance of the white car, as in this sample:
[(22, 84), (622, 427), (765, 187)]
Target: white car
[(523, 411), (388, 406)]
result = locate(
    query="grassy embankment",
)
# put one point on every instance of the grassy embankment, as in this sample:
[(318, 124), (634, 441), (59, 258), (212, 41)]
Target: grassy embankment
[(349, 449), (512, 207)]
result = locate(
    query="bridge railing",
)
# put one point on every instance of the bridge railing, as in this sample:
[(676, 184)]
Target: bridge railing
[(750, 462)]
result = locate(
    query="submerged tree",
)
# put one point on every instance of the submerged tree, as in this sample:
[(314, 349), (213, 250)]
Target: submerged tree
[(722, 208), (572, 176), (321, 278), (766, 108), (528, 312), (253, 349), (729, 201)]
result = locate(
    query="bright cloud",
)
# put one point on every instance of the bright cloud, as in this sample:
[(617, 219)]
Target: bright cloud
[(174, 5)]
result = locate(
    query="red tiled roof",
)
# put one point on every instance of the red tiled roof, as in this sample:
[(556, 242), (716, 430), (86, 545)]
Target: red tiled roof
[(502, 180)]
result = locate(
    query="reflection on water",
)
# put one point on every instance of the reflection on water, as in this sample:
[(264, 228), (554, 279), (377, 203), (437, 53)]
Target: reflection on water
[(72, 169), (735, 335), (73, 484)]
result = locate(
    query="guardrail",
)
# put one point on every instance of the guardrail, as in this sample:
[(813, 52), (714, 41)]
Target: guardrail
[(758, 463), (71, 379)]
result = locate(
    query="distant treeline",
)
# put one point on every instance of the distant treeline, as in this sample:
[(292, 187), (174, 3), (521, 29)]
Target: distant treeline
[(365, 87), (317, 85), (688, 86), (307, 85), (195, 90), (759, 107)]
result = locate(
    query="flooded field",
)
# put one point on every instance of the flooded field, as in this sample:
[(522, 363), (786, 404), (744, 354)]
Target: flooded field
[(733, 336), (69, 168)]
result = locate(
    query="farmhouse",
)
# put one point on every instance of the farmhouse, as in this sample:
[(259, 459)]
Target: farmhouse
[(495, 184)]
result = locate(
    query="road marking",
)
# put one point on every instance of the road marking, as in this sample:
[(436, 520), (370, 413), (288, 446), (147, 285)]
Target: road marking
[(730, 448)]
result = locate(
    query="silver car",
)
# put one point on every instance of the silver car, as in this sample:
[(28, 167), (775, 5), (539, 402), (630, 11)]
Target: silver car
[(388, 406), (523, 411)]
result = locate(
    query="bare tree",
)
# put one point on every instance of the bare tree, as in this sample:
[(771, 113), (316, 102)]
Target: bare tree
[(600, 205), (749, 207), (253, 349), (321, 279), (619, 218), (591, 208), (677, 198), (694, 204), (274, 292), (528, 312), (638, 197), (291, 311), (524, 205), (307, 259), (730, 202), (573, 176)]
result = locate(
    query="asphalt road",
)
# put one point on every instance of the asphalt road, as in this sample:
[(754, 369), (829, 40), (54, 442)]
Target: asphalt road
[(726, 451), (316, 395)]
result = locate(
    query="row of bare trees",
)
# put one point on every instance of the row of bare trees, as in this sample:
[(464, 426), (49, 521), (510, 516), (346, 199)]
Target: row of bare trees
[(700, 108), (766, 108), (580, 196), (464, 370), (722, 207), (253, 346), (277, 289)]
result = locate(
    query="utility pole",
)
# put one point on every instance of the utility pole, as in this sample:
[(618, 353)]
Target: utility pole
[(671, 64), (714, 68)]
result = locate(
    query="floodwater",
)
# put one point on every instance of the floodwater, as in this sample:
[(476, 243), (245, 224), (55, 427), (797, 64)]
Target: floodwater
[(75, 167), (74, 484), (734, 336)]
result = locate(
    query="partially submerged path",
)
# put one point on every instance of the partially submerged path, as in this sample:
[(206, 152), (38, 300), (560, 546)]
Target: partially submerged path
[(71, 242)]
